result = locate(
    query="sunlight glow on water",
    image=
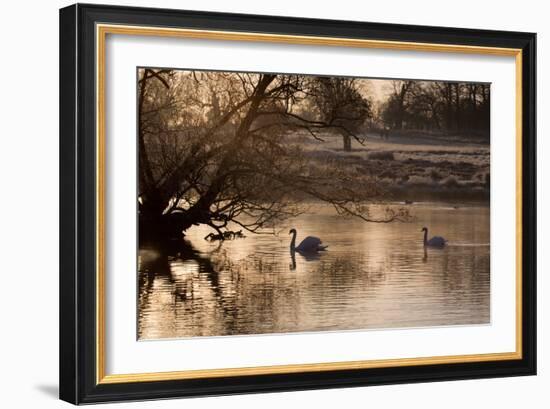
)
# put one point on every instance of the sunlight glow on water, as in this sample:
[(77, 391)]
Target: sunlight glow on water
[(374, 275)]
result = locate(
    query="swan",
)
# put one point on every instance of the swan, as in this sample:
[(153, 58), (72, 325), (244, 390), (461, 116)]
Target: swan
[(435, 241), (308, 245)]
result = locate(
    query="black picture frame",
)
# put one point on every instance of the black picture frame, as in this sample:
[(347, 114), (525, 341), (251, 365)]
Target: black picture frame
[(78, 258)]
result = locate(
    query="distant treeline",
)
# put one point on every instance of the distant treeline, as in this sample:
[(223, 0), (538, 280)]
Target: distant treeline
[(450, 107)]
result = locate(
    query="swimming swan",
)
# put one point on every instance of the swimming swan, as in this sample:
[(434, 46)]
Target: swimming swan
[(308, 245), (435, 241)]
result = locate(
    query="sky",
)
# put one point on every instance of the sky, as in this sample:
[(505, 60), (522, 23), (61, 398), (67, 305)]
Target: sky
[(380, 89)]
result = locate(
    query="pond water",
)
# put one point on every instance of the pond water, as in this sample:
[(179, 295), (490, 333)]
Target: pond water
[(373, 275)]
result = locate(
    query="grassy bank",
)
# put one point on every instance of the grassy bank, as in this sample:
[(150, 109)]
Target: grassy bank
[(414, 167)]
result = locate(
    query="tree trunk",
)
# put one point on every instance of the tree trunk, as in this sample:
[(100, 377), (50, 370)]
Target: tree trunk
[(458, 119), (155, 227), (347, 143), (155, 224), (448, 107)]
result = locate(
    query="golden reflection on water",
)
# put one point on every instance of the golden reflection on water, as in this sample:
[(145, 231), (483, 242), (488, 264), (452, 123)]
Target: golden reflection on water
[(372, 276)]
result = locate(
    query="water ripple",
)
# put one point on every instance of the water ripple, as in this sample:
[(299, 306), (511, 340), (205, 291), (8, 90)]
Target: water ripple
[(372, 276)]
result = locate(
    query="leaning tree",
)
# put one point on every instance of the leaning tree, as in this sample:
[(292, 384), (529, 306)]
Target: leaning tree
[(223, 150)]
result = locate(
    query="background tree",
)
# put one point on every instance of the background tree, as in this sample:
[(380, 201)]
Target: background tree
[(341, 104), (397, 104), (449, 107)]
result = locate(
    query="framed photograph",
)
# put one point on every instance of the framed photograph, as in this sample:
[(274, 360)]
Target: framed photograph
[(257, 203)]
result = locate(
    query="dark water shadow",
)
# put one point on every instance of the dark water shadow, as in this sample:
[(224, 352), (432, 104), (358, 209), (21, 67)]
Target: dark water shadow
[(307, 256), (311, 256), (160, 266)]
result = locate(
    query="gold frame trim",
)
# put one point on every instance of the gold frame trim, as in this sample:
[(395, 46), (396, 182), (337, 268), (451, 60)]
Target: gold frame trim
[(102, 30)]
